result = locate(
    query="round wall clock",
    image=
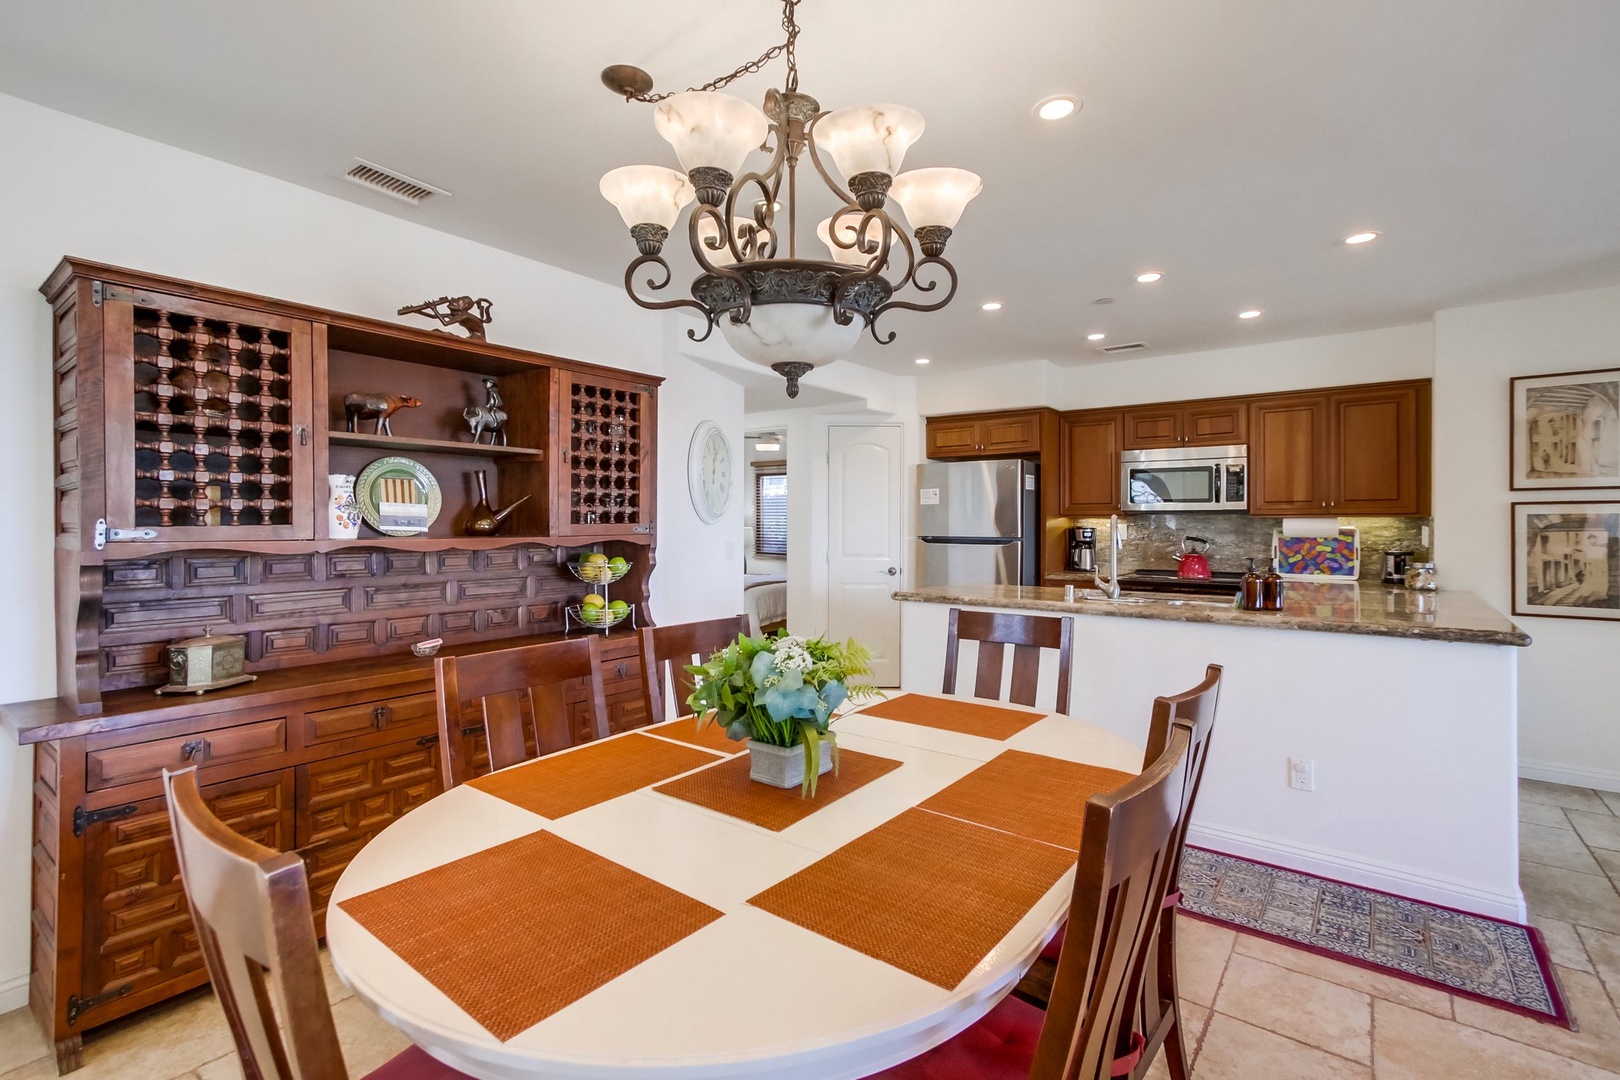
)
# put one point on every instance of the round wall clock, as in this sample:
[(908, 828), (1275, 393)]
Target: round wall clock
[(708, 471)]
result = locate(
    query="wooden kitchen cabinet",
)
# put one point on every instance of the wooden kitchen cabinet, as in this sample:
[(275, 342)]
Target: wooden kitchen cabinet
[(1090, 466), (1221, 422), (1357, 450), (987, 434)]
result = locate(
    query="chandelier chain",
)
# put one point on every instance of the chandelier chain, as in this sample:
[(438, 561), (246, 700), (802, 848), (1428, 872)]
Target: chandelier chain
[(789, 24)]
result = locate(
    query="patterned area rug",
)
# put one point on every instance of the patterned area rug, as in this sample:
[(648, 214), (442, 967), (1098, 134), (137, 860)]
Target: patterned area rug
[(1499, 963)]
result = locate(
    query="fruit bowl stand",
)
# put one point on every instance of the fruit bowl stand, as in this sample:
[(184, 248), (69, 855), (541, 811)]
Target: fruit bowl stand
[(601, 575)]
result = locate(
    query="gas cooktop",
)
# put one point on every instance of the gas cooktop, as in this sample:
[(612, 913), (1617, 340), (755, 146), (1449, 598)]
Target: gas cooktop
[(1221, 583)]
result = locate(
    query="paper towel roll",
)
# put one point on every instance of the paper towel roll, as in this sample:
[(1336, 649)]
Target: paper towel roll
[(1310, 527)]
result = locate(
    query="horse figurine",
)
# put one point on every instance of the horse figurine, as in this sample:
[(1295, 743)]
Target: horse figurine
[(488, 417)]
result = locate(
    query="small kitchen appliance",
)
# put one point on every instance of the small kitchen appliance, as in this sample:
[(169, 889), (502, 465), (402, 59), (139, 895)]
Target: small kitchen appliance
[(1395, 564), (1193, 565), (1184, 478), (1082, 549)]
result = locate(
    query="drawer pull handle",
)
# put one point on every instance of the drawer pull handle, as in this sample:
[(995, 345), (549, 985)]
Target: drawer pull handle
[(381, 715), (427, 740), (621, 670), (194, 750)]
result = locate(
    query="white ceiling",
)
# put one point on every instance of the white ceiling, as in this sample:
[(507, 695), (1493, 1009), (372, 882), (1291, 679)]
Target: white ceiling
[(1230, 145)]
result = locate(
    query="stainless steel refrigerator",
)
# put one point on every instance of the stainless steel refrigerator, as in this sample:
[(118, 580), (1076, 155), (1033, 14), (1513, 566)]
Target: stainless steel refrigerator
[(978, 523)]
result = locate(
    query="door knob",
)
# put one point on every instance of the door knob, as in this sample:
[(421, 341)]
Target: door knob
[(892, 571)]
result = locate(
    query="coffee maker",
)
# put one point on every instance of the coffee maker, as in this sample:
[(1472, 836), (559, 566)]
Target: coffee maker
[(1082, 549)]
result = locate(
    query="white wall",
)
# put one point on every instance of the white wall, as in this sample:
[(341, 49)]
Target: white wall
[(71, 187), (1569, 680)]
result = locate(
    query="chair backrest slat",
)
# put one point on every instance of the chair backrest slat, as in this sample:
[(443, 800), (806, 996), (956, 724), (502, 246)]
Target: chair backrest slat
[(665, 652), (251, 908), (516, 696), (1120, 883), (1028, 635)]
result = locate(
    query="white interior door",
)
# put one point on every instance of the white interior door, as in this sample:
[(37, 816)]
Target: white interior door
[(865, 476)]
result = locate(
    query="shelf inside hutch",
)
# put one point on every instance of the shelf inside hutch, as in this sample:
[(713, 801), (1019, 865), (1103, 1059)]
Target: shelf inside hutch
[(392, 444)]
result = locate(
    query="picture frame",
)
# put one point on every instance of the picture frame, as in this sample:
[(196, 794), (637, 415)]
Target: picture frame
[(1565, 430), (1566, 559)]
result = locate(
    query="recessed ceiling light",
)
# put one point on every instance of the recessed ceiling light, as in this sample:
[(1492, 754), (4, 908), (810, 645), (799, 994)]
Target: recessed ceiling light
[(922, 359), (1095, 337), (994, 305), (1056, 108), (1252, 313), (1361, 238), (1148, 278), (1103, 300)]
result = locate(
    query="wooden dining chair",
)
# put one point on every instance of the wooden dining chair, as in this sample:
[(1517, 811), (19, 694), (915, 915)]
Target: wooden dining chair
[(1028, 635), (1087, 1032), (256, 932), (1159, 1016), (665, 652), (516, 698)]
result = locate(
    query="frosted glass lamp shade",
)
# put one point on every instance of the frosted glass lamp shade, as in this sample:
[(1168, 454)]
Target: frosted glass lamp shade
[(850, 256), (646, 194), (935, 196), (868, 138), (791, 333), (710, 130)]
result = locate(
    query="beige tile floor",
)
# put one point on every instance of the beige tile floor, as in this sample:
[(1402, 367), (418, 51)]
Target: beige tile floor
[(1253, 1008)]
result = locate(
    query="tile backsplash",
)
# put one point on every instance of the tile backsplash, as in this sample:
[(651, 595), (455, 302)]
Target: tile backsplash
[(1236, 538)]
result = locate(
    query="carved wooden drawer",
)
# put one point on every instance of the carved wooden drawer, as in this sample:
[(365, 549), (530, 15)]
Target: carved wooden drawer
[(328, 725), (626, 711), (110, 767)]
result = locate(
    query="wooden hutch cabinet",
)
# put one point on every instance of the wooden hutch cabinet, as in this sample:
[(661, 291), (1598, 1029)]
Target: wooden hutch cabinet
[(194, 432)]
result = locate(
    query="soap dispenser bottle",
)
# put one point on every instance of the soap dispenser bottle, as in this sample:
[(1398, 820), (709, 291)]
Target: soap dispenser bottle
[(1272, 588), (1252, 597)]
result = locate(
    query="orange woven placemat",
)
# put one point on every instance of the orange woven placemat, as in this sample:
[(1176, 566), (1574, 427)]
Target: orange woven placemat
[(951, 714), (1039, 797), (726, 788), (926, 893), (516, 932), (563, 783), (709, 736)]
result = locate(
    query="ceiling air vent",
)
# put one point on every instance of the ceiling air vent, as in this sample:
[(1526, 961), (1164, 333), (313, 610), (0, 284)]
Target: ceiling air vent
[(1124, 346), (391, 183)]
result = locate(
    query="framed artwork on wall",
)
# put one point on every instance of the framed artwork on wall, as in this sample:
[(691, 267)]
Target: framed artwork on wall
[(1566, 430), (1566, 559)]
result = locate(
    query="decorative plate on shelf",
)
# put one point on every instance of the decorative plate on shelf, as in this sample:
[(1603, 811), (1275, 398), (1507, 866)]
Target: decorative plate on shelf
[(398, 496)]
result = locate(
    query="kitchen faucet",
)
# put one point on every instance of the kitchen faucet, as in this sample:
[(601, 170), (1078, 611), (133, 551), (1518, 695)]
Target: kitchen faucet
[(1110, 588)]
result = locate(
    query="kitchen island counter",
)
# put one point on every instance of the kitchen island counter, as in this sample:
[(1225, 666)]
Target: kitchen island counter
[(1339, 608)]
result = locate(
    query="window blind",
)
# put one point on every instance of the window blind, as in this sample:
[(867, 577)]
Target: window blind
[(770, 511)]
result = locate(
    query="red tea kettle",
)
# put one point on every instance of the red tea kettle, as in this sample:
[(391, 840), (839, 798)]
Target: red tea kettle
[(1193, 565)]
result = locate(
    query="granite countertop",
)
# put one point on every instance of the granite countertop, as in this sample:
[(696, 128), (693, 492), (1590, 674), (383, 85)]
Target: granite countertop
[(1336, 608)]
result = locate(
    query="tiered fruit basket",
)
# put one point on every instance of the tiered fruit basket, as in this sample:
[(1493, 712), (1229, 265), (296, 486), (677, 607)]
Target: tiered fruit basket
[(600, 574)]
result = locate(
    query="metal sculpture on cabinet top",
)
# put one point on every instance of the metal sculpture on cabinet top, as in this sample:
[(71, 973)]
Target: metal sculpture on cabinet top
[(463, 311), (490, 416)]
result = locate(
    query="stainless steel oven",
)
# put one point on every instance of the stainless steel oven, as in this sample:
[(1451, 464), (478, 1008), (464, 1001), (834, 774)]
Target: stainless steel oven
[(1184, 478)]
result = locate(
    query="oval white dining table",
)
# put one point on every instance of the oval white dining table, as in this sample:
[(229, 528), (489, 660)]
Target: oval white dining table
[(749, 995)]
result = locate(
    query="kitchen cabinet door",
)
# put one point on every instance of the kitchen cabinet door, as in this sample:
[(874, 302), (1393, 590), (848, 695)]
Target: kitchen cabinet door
[(1152, 427), (1090, 463), (1013, 433), (1287, 446), (1215, 423), (1377, 450), (953, 437)]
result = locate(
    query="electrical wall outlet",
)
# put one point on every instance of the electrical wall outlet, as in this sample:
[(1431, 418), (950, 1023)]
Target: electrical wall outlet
[(1302, 774), (1426, 540), (1124, 532), (731, 551)]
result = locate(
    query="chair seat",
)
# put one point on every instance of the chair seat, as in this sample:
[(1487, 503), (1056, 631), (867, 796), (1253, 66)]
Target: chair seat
[(999, 1047), (1055, 946), (415, 1064)]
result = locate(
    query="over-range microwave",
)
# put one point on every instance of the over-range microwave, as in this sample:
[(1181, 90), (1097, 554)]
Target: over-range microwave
[(1184, 478)]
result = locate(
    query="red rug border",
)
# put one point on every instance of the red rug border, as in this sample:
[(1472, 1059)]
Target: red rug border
[(1537, 946)]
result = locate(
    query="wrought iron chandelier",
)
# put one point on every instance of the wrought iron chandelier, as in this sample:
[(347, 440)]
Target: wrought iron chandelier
[(774, 307)]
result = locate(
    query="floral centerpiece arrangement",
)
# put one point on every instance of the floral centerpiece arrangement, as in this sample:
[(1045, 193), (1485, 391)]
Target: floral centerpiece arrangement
[(779, 693)]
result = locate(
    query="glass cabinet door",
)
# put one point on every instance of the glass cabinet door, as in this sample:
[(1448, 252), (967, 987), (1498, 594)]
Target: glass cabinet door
[(208, 412)]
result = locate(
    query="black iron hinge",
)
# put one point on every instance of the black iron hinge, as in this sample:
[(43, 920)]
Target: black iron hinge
[(83, 819), (101, 290), (78, 1006)]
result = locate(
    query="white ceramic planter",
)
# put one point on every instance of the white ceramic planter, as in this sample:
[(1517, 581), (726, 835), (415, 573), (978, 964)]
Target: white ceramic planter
[(782, 766)]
